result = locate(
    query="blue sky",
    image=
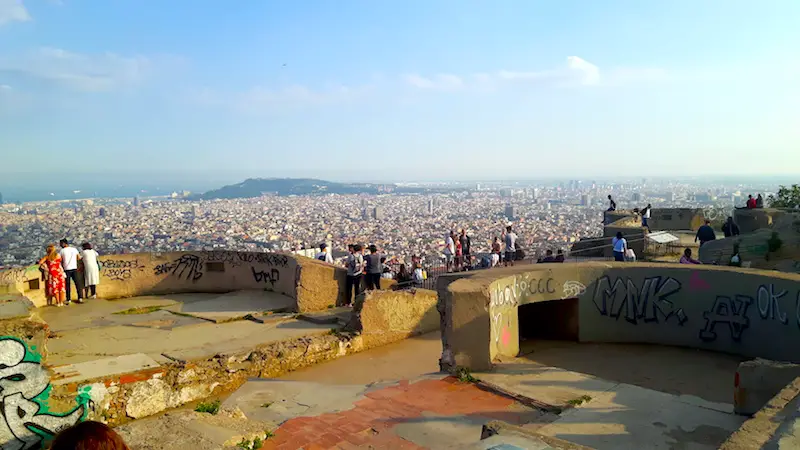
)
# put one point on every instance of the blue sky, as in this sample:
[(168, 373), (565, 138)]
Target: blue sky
[(419, 89)]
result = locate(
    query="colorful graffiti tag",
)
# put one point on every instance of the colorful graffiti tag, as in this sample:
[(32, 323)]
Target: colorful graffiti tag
[(25, 387)]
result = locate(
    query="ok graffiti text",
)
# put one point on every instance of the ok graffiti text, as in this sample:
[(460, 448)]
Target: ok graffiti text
[(522, 286)]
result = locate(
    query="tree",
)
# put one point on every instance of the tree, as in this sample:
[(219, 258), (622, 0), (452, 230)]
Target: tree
[(787, 197)]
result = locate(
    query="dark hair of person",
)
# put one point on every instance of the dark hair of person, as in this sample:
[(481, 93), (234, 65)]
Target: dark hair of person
[(89, 435)]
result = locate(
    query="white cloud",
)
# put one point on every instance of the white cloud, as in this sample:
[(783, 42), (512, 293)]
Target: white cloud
[(82, 72), (13, 11), (5, 87), (589, 73), (259, 98), (576, 72), (441, 81)]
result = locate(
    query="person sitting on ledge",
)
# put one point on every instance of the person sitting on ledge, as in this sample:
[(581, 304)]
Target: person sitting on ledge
[(687, 257)]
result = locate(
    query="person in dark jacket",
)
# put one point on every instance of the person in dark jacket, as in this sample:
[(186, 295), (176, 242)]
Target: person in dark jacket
[(730, 228), (705, 233)]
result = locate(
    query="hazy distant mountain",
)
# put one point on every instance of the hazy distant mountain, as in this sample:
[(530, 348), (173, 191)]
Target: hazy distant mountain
[(255, 187)]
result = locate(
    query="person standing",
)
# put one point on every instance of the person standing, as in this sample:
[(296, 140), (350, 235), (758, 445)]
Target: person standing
[(355, 270), (730, 229), (324, 255), (449, 251), (646, 217), (54, 276), (620, 246), (511, 246), (91, 270), (466, 244), (374, 268), (496, 251), (705, 233), (69, 260)]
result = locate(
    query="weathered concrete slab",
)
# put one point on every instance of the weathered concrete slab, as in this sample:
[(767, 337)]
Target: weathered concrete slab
[(549, 385), (181, 430), (633, 417), (14, 306), (277, 401), (182, 343), (442, 432), (759, 380), (234, 305), (95, 311), (72, 373)]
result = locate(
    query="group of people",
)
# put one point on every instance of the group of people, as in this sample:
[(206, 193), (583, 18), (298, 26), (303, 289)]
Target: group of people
[(64, 266), (366, 271), (753, 203)]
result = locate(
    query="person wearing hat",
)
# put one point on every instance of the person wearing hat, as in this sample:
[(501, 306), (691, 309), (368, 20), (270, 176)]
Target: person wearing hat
[(324, 255)]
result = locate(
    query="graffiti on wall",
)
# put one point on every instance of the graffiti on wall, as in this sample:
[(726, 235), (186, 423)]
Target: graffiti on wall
[(266, 277), (769, 303), (12, 276), (27, 422), (522, 286), (573, 289), (624, 298), (238, 258), (120, 269), (188, 268), (730, 311)]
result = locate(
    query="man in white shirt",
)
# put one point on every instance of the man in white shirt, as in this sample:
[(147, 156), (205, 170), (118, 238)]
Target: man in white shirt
[(69, 261), (511, 246), (449, 251), (324, 255)]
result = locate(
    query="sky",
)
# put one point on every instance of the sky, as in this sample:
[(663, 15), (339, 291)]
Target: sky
[(411, 90)]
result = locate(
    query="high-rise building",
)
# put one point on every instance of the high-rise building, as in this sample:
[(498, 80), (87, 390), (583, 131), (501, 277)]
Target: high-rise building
[(377, 213), (1, 198), (637, 197), (586, 200), (136, 201), (431, 206), (102, 212), (534, 193), (510, 212)]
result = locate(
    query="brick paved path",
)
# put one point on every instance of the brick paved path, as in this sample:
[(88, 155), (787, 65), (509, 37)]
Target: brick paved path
[(370, 424)]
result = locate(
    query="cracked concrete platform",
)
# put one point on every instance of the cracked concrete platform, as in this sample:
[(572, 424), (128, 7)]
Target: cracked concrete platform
[(88, 332)]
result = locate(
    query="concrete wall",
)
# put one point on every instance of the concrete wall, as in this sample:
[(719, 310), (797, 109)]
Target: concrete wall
[(390, 316), (676, 219), (315, 285), (746, 312)]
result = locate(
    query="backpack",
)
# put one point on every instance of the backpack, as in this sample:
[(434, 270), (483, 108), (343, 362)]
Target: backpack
[(321, 258)]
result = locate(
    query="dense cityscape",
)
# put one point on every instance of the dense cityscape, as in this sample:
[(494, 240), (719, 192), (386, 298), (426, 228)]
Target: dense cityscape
[(544, 216)]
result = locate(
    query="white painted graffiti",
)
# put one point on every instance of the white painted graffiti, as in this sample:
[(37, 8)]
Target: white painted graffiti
[(573, 289), (24, 384), (521, 287), (769, 303)]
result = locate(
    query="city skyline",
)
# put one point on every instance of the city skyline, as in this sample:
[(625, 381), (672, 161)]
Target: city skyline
[(426, 91)]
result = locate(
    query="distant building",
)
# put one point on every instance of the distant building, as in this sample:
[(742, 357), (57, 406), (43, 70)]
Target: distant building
[(431, 206), (510, 212), (136, 201), (377, 213), (364, 214), (102, 212), (637, 197), (586, 200), (671, 196), (1, 198)]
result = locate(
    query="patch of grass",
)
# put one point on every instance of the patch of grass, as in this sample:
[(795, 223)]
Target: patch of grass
[(465, 377), (579, 401), (208, 407), (268, 434), (266, 405), (141, 310)]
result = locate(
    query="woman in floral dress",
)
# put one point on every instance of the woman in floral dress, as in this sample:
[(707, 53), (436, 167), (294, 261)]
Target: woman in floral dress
[(54, 274)]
